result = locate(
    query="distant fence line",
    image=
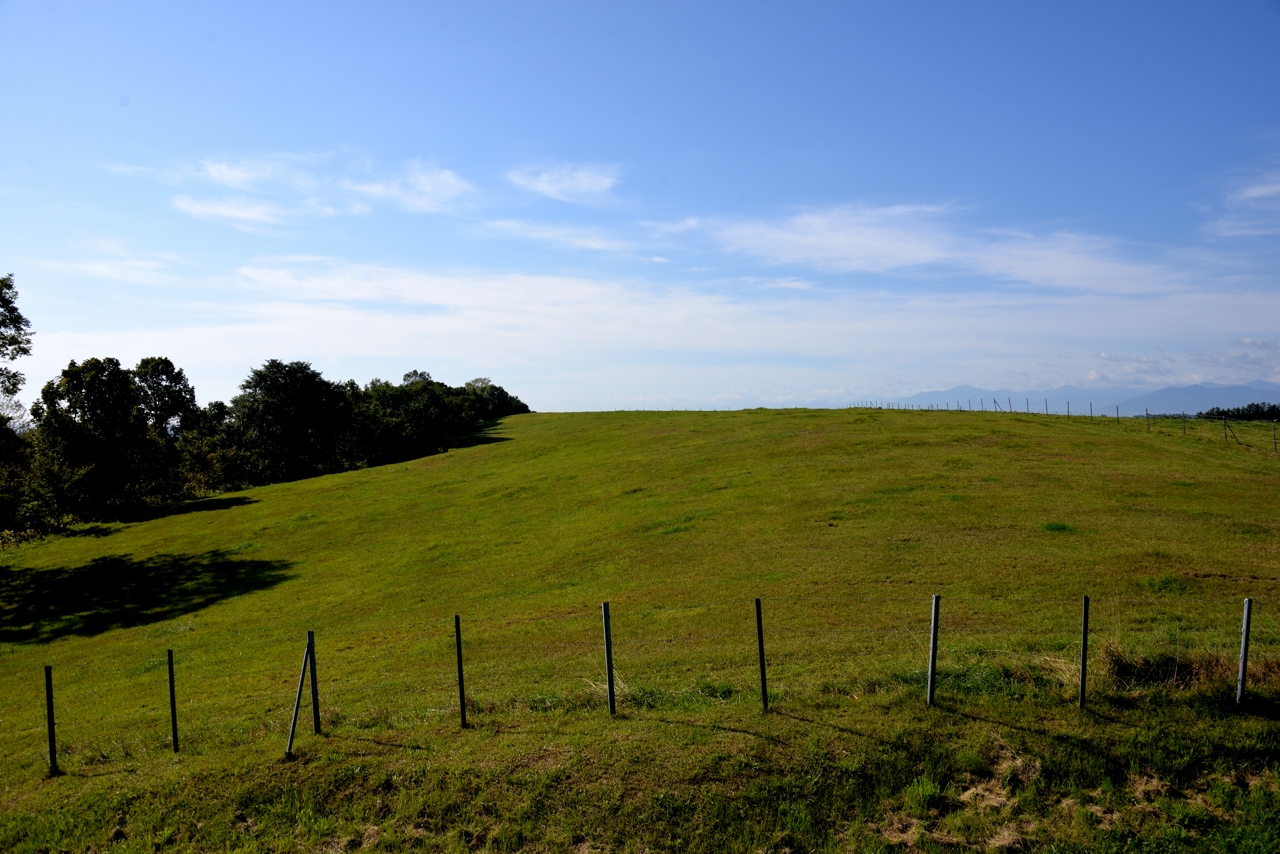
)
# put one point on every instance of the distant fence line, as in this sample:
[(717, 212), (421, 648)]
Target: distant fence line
[(606, 648), (1147, 414)]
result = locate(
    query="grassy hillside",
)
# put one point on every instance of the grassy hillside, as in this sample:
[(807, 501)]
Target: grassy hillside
[(843, 522)]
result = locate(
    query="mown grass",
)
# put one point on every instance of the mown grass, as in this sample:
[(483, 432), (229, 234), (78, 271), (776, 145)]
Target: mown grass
[(843, 522)]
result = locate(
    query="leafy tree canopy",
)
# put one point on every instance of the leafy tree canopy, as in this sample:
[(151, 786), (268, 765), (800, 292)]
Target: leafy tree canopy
[(15, 336)]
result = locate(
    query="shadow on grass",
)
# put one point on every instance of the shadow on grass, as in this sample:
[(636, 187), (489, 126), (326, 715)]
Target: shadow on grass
[(483, 436), (97, 532), (119, 591), (772, 739), (147, 513), (200, 505)]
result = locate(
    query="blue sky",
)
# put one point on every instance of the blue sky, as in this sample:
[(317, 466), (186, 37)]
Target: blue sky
[(652, 205)]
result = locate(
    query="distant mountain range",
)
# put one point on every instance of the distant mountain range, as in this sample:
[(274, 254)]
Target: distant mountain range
[(1131, 401)]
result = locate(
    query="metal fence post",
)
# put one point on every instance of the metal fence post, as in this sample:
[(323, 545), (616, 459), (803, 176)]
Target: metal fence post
[(315, 689), (173, 704), (608, 660), (1244, 651), (462, 691), (48, 706), (297, 703), (1084, 649), (764, 682), (933, 650)]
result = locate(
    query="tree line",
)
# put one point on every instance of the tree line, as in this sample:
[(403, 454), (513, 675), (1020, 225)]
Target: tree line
[(1249, 412), (104, 441)]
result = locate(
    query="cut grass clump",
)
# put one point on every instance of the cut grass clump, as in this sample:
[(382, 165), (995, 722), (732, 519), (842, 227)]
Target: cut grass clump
[(1166, 584)]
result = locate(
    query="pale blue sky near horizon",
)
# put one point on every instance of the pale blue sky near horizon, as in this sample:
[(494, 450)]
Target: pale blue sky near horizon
[(667, 205)]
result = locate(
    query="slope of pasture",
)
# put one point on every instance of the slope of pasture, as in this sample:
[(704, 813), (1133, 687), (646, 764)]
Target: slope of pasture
[(844, 522)]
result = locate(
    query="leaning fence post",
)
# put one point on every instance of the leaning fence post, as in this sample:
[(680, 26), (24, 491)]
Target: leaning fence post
[(764, 683), (1244, 651), (1084, 649), (48, 707), (462, 691), (315, 689), (608, 660), (1224, 428), (933, 650), (297, 703), (1148, 414), (173, 704)]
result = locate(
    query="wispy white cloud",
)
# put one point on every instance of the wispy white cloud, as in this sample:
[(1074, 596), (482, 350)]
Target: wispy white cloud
[(421, 189), (581, 184), (668, 228), (923, 240), (239, 208), (1252, 210), (564, 235), (845, 239), (109, 259), (240, 176), (127, 169)]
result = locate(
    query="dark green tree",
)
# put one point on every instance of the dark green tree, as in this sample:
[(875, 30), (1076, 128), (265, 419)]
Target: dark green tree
[(15, 457), (15, 336), (167, 399), (93, 454), (289, 422)]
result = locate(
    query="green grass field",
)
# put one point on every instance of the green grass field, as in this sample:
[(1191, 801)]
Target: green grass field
[(844, 522)]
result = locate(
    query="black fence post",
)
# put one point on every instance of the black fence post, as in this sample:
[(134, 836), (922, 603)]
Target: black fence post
[(1084, 650), (1244, 652), (462, 691), (315, 689), (48, 706), (764, 682), (173, 704), (297, 703), (933, 650), (608, 660)]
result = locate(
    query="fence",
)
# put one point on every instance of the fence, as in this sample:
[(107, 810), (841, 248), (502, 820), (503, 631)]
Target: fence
[(948, 645)]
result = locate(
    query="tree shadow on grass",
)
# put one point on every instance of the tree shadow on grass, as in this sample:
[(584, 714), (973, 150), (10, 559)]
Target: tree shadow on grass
[(483, 435), (148, 512), (119, 591), (199, 505)]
